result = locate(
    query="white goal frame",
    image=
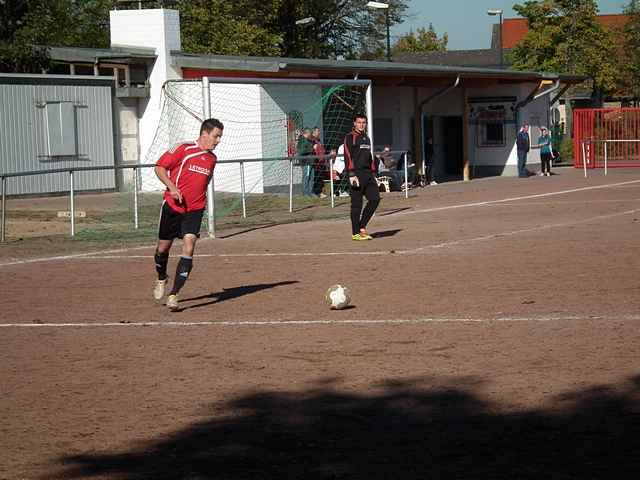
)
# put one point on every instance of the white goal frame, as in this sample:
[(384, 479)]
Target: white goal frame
[(206, 99)]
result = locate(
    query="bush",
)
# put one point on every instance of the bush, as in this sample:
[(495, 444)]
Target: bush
[(566, 150)]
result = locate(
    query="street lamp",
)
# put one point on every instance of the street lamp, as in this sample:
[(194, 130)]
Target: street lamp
[(385, 7), (305, 21), (493, 13)]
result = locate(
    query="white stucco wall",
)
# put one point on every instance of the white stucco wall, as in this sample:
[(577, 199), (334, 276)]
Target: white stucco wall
[(397, 103), (535, 113), (153, 28), (238, 107)]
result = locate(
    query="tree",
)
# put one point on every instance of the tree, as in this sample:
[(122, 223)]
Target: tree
[(67, 23), (14, 56), (255, 27), (241, 27), (631, 50), (29, 26), (565, 37), (422, 41), (341, 27)]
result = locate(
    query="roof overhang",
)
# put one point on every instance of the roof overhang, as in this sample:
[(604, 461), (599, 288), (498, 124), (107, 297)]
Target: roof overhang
[(356, 68), (46, 79), (123, 55)]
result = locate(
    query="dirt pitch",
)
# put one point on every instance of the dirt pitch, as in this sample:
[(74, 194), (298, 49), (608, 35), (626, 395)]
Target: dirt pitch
[(494, 335)]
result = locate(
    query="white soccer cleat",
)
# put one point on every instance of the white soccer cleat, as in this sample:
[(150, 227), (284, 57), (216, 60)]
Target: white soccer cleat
[(172, 302), (159, 289)]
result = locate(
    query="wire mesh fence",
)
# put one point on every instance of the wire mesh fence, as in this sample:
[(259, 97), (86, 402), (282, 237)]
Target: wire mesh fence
[(257, 192)]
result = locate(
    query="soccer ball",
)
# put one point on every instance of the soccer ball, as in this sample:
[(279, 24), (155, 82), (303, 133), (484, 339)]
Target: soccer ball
[(338, 297)]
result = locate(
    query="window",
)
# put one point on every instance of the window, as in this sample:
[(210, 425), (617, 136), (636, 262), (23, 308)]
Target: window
[(83, 69), (494, 133), (383, 131), (61, 129), (490, 126)]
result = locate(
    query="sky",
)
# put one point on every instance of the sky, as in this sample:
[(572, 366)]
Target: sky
[(466, 21)]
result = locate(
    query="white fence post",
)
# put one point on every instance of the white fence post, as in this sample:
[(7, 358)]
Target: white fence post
[(4, 208), (211, 208), (135, 198), (72, 206), (244, 201), (290, 185)]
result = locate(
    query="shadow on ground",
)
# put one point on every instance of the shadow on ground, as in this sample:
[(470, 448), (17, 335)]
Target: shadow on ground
[(420, 429), (248, 230), (386, 233), (230, 293), (393, 212)]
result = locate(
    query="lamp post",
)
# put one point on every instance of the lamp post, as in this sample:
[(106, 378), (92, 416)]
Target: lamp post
[(305, 21), (385, 7), (493, 13)]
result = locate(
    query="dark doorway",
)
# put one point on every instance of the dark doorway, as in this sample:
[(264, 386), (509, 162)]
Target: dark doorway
[(453, 151), (427, 133)]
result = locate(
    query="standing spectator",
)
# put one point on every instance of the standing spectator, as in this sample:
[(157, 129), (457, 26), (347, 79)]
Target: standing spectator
[(186, 171), (362, 177), (305, 149), (320, 164), (340, 179), (428, 163), (337, 172), (546, 151), (522, 145)]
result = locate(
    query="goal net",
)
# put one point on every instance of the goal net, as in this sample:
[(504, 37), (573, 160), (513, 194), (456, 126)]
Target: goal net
[(263, 120)]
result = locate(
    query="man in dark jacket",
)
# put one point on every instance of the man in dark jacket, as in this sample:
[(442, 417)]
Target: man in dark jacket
[(523, 145), (305, 149), (362, 169)]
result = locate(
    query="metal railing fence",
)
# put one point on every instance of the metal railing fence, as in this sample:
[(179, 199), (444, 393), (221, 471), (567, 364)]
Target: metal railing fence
[(599, 153), (327, 166)]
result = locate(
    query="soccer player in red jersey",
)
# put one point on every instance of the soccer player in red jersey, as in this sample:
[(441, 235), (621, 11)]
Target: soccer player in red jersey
[(186, 171)]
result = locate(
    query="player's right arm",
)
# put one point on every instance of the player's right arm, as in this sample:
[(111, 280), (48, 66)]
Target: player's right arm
[(170, 159)]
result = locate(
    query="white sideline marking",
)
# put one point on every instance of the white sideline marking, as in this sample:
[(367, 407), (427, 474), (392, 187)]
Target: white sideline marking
[(98, 255), (68, 257), (573, 202), (517, 232), (387, 252), (245, 255), (83, 255), (240, 323), (513, 199)]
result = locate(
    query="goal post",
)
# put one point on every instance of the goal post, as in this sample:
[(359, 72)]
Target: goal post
[(263, 119)]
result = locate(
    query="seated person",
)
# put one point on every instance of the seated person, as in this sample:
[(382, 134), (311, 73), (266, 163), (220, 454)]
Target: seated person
[(411, 168), (391, 167)]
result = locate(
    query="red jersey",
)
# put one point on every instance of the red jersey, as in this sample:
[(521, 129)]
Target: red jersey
[(190, 169), (318, 151)]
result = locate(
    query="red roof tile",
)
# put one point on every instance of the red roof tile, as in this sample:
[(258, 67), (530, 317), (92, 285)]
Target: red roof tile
[(514, 29)]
